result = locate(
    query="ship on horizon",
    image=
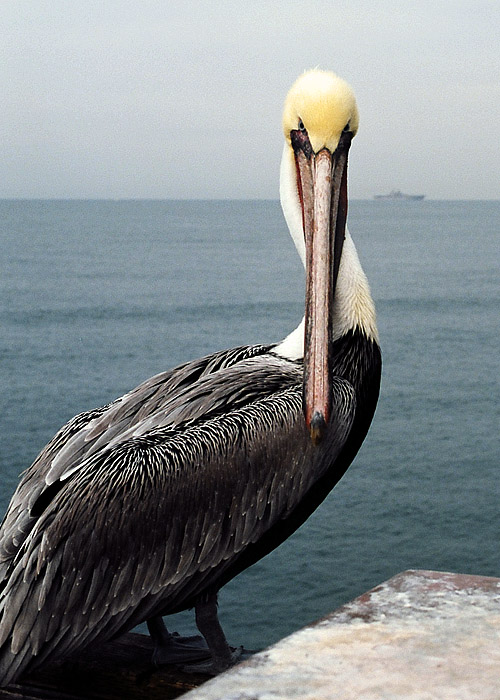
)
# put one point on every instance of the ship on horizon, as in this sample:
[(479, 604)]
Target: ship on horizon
[(397, 194)]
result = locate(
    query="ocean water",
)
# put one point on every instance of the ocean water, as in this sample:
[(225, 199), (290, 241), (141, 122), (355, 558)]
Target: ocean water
[(96, 296)]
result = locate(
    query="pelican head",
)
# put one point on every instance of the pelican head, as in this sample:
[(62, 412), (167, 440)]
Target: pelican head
[(320, 118), (326, 104)]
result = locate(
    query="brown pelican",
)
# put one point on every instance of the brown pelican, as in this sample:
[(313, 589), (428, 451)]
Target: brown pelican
[(149, 505)]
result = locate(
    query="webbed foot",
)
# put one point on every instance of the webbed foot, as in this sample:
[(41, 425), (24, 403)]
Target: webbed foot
[(172, 648), (212, 667)]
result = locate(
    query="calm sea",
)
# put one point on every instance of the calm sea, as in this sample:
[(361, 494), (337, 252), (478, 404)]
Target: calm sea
[(96, 296)]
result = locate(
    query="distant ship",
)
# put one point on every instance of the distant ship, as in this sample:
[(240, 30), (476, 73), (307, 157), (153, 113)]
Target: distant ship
[(397, 194)]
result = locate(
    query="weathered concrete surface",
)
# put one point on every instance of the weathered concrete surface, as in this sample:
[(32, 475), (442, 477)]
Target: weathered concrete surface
[(422, 635)]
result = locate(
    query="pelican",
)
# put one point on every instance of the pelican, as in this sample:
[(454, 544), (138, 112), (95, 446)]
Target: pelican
[(149, 505)]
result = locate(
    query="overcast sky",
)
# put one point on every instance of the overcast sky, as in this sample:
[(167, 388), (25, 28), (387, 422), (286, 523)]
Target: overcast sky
[(183, 99)]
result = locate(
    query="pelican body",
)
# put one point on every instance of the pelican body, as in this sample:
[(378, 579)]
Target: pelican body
[(149, 505)]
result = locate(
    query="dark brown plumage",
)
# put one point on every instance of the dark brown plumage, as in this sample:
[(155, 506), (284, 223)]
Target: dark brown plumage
[(211, 474)]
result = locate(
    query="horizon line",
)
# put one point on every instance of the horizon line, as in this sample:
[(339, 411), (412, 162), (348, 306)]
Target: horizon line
[(216, 199)]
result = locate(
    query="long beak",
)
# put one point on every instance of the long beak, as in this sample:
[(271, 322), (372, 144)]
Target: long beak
[(322, 179)]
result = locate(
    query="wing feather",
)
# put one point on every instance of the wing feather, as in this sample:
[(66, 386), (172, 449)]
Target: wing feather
[(144, 525), (91, 431)]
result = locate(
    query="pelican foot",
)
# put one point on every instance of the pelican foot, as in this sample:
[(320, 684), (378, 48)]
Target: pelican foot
[(180, 650), (171, 648), (212, 667)]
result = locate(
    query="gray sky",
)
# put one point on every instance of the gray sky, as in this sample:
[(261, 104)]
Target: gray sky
[(183, 99)]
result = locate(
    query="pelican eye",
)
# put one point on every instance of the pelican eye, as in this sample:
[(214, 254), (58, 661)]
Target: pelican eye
[(300, 139)]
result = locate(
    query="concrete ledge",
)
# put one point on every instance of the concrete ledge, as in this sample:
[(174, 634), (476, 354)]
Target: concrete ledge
[(422, 635)]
